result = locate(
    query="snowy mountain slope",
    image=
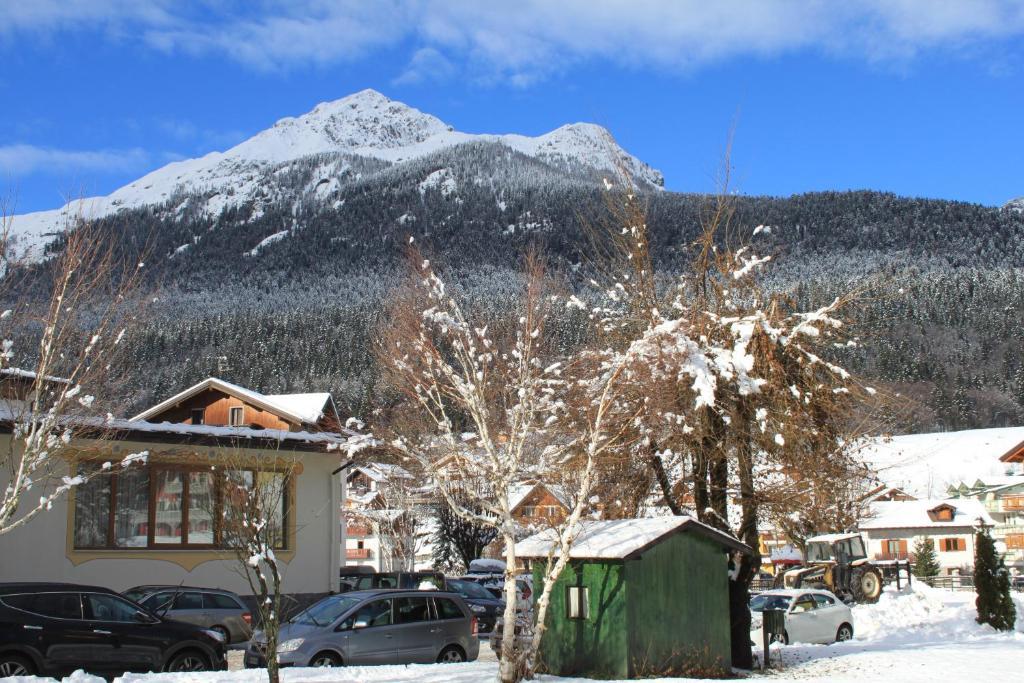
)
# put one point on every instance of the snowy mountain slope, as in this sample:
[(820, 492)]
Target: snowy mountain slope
[(363, 125), (924, 465)]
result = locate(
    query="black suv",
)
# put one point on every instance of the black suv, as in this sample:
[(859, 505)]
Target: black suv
[(52, 629)]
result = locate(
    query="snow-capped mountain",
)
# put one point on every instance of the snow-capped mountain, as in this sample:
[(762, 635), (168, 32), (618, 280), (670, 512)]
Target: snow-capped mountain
[(366, 124), (1015, 205)]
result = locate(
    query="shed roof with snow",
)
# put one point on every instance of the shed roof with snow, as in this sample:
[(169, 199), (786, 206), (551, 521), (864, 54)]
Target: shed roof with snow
[(622, 539)]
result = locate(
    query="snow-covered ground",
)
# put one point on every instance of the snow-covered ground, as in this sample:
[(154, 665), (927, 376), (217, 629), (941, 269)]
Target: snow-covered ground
[(921, 635)]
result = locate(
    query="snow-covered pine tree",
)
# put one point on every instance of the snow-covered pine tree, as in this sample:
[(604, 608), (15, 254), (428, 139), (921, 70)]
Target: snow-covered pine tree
[(992, 584), (926, 563)]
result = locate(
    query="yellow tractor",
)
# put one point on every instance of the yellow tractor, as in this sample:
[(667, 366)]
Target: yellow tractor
[(839, 563)]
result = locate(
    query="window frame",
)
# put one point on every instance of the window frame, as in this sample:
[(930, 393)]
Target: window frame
[(185, 470), (241, 416), (201, 412), (582, 603)]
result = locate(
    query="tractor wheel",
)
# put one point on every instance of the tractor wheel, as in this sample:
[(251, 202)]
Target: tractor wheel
[(866, 584)]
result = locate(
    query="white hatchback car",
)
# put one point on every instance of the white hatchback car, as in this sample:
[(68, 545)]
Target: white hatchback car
[(812, 616)]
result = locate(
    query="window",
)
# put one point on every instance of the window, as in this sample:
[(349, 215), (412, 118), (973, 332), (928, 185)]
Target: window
[(805, 603), (52, 605), (103, 607), (198, 416), (578, 602), (188, 601), (236, 416), (377, 613), (823, 601), (158, 603), (1015, 541), (170, 494), (160, 506), (131, 511), (219, 601), (948, 545), (327, 611), (412, 610), (201, 501), (447, 609), (92, 509)]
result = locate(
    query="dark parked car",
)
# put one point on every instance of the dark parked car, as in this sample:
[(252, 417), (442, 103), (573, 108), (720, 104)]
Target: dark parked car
[(375, 627), (212, 608), (349, 577), (481, 601), (403, 580), (52, 629)]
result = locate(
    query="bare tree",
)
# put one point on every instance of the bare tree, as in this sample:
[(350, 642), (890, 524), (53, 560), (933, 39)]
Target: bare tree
[(62, 323), (498, 405), (252, 510), (735, 394)]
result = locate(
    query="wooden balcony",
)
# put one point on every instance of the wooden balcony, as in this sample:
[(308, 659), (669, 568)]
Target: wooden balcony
[(357, 530), (887, 556), (358, 554)]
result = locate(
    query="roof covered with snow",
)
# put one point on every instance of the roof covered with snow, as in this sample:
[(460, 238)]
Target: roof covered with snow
[(299, 408), (913, 514), (831, 538), (926, 465), (620, 539), (29, 374), (310, 407)]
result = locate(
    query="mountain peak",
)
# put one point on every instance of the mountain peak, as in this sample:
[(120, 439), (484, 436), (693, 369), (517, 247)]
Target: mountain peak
[(367, 124)]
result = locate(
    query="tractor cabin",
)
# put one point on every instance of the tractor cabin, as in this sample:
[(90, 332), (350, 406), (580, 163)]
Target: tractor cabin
[(640, 597)]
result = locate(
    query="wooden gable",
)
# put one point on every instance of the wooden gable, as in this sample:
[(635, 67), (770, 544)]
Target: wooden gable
[(214, 407)]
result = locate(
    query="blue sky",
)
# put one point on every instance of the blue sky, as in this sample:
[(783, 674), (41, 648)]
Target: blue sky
[(917, 97)]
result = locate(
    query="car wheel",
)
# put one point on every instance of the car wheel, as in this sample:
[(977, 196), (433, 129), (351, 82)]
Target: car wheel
[(11, 665), (845, 632), (189, 660), (224, 632), (325, 660), (451, 655)]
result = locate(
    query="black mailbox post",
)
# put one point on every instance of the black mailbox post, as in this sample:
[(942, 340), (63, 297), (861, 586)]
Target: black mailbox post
[(773, 624)]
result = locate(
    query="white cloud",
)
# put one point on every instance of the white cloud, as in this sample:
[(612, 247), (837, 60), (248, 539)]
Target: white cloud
[(522, 40), (427, 64), (22, 160)]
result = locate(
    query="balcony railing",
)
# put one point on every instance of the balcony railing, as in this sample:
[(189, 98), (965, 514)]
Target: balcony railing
[(358, 554), (356, 530), (898, 555)]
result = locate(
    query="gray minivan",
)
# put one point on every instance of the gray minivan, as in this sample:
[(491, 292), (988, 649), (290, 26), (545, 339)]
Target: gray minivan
[(375, 627)]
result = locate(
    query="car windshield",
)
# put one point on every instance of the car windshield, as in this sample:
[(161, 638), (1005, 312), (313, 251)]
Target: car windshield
[(760, 603), (468, 589), (326, 611)]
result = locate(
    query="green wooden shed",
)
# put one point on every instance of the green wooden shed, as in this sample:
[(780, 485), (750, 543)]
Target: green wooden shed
[(639, 598)]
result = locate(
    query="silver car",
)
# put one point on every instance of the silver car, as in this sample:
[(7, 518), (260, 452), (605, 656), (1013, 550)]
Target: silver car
[(212, 608), (375, 627)]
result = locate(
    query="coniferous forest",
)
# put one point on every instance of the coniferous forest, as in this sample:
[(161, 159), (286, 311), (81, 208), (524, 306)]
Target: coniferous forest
[(284, 292)]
